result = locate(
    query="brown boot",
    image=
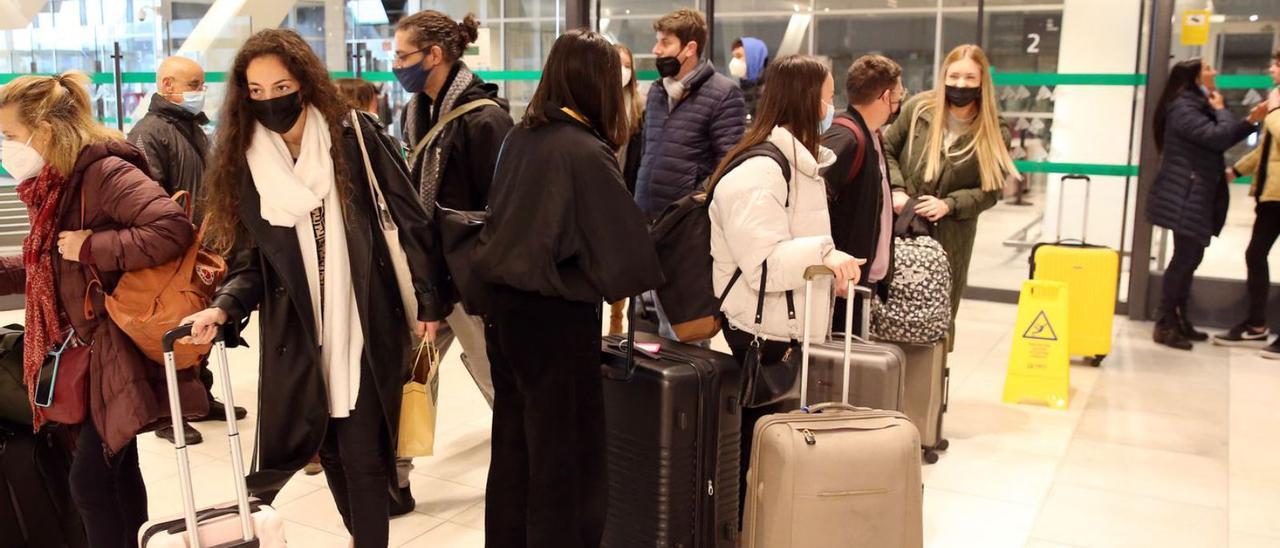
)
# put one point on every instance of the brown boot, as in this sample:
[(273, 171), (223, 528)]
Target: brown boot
[(615, 317), (1169, 333)]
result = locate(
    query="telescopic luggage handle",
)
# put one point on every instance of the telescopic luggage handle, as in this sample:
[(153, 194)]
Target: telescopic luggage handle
[(853, 291), (226, 332)]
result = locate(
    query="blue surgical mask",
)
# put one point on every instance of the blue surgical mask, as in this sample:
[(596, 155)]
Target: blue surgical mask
[(828, 119), (192, 101)]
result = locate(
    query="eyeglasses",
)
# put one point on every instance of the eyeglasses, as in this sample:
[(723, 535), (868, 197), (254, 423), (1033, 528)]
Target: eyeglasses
[(400, 57)]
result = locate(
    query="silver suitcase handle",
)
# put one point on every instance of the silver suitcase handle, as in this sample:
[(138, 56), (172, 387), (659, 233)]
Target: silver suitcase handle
[(854, 290), (225, 333)]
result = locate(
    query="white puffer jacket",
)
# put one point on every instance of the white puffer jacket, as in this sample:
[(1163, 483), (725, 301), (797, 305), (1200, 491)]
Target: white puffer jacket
[(750, 224)]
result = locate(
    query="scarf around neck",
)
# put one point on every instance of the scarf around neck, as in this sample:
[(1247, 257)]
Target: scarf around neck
[(290, 191), (42, 195), (435, 155)]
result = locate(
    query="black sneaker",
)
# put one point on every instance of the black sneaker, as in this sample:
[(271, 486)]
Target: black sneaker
[(1242, 335), (1272, 351)]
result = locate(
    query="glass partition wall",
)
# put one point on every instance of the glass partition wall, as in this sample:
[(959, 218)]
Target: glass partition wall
[(1069, 76)]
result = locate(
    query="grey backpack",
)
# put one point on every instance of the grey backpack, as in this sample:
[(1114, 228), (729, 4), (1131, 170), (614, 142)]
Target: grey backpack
[(918, 306)]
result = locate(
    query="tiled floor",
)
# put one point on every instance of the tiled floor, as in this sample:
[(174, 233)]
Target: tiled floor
[(1158, 448)]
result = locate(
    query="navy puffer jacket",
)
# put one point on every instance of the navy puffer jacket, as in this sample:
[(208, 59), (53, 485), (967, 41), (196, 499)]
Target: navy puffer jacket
[(683, 146), (1190, 196)]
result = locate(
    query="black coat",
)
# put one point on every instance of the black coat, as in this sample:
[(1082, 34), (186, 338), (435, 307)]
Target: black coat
[(1190, 194), (855, 204), (175, 145), (560, 220), (266, 273), (468, 172)]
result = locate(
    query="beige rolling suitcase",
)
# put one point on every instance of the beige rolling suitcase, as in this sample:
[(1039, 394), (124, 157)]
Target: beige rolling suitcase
[(928, 382), (834, 474)]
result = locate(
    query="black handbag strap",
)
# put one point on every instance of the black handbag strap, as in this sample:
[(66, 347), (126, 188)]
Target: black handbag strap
[(904, 226), (790, 296)]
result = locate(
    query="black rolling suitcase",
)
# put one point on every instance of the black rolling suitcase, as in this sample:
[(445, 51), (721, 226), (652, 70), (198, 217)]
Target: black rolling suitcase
[(673, 433), (36, 510)]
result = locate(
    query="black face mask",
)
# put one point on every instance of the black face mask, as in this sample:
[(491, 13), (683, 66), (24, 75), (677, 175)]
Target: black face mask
[(278, 114), (668, 67), (963, 97)]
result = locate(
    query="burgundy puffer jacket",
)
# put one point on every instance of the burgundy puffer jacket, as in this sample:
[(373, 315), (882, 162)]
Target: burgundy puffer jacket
[(135, 226)]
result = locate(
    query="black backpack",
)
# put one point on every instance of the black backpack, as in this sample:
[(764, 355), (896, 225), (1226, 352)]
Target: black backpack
[(15, 405), (682, 237)]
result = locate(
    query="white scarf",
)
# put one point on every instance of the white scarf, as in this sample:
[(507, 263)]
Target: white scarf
[(290, 191)]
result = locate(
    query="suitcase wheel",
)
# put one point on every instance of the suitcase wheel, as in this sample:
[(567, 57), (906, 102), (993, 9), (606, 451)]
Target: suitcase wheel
[(1096, 361), (930, 456), (942, 445)]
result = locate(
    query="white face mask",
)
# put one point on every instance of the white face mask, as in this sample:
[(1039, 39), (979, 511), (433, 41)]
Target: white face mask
[(192, 101), (20, 160), (738, 67), (626, 76)]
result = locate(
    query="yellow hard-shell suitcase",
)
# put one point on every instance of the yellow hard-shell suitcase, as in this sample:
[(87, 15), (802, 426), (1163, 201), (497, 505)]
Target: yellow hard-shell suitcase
[(1092, 274)]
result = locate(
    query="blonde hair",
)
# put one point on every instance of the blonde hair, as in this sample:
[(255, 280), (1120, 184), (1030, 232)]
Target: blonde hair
[(57, 108), (635, 101), (988, 144)]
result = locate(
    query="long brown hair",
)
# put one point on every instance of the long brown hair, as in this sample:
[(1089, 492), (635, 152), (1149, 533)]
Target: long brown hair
[(987, 144), (582, 73), (235, 130), (791, 101), (58, 111), (631, 93)]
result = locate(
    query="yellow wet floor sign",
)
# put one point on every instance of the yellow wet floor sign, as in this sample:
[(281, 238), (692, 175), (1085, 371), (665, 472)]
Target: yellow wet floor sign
[(1039, 366)]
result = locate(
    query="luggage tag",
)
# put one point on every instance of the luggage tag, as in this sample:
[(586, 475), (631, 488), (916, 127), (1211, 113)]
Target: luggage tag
[(650, 350)]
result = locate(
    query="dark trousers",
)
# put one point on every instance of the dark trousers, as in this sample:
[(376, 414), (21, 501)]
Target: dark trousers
[(771, 352), (206, 378), (1266, 228), (547, 477), (109, 492), (355, 460), (1187, 254)]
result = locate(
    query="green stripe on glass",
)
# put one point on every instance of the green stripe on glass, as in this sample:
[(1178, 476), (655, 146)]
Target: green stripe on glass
[(1054, 79), (1244, 81), (1118, 170)]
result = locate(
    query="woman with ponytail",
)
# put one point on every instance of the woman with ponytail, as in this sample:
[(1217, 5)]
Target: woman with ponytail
[(94, 212), (949, 150)]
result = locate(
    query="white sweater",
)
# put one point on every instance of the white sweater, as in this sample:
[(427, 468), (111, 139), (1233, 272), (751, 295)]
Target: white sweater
[(750, 225)]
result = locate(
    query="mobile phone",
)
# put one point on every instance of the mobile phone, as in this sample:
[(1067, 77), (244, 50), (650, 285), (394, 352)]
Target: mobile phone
[(49, 374)]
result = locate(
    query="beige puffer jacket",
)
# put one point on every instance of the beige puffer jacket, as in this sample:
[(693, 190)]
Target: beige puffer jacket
[(751, 225)]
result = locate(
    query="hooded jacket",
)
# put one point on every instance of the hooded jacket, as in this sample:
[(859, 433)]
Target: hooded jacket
[(751, 225)]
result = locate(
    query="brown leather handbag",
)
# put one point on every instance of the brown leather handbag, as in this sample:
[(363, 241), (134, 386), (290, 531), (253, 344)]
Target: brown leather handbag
[(63, 388), (147, 303)]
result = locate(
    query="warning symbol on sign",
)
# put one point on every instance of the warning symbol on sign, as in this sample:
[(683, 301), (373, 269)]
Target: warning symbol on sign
[(1040, 329)]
